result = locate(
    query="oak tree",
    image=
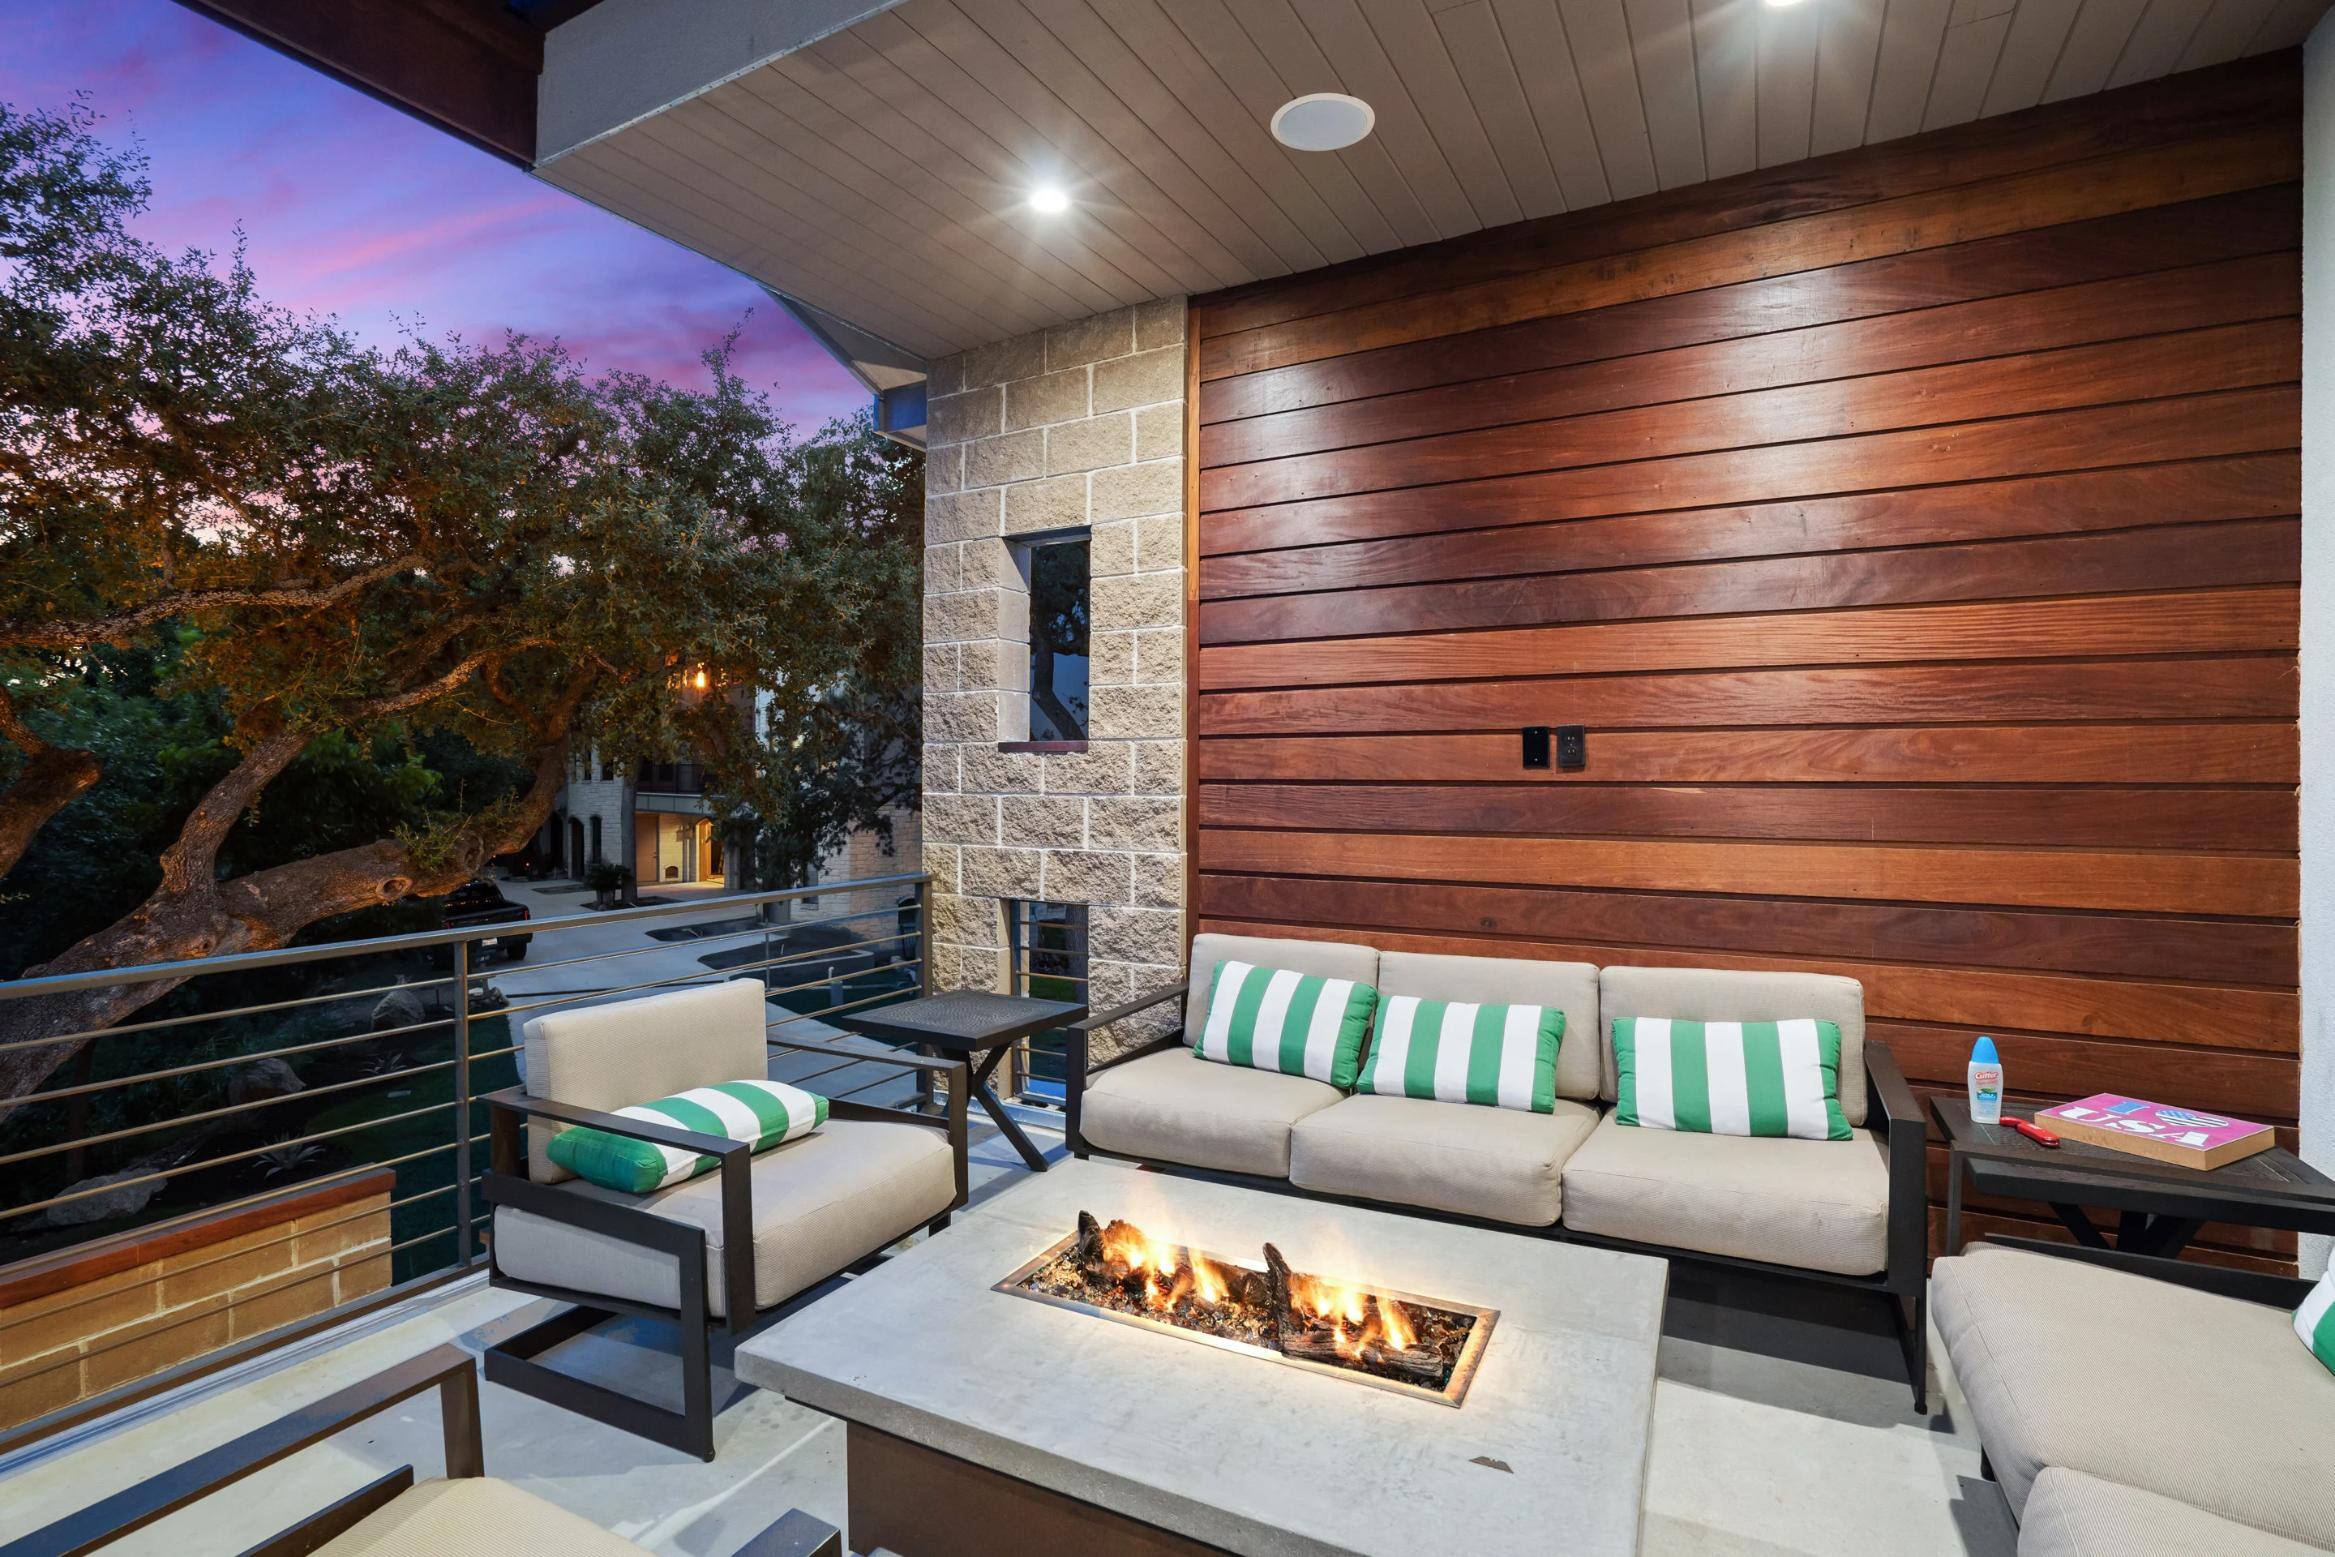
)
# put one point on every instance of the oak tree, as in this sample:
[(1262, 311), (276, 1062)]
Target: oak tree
[(449, 537)]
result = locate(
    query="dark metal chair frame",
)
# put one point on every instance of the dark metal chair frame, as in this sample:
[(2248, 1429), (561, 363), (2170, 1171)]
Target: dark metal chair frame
[(1902, 1284), (517, 1363), (446, 1369)]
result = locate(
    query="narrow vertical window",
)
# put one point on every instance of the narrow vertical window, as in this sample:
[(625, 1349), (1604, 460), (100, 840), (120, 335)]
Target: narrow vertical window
[(1059, 573)]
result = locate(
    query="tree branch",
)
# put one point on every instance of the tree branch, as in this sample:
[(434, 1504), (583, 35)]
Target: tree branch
[(123, 626), (51, 778)]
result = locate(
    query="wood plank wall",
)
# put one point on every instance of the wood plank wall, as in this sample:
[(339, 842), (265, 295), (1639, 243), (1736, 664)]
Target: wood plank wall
[(1915, 531)]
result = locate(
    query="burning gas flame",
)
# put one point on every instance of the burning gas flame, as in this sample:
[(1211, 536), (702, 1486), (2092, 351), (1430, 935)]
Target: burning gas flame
[(1171, 1278)]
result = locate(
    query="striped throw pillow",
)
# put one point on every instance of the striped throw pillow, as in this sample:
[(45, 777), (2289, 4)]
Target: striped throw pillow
[(1730, 1078), (761, 1112), (1297, 1023), (2315, 1320), (1454, 1052)]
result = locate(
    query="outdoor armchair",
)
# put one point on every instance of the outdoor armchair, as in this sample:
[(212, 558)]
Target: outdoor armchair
[(714, 1253), (464, 1512)]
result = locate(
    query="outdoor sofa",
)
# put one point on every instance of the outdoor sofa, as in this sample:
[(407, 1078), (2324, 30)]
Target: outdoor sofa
[(2142, 1407), (803, 1211), (464, 1512), (1852, 1213)]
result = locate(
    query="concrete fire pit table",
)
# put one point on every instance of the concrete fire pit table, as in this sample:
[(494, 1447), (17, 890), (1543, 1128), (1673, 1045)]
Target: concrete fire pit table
[(982, 1422)]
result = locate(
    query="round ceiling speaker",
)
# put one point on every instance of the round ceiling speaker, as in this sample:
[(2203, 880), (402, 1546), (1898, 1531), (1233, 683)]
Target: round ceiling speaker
[(1322, 121)]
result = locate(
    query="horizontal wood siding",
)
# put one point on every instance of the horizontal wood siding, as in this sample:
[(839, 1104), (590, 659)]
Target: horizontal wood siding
[(1915, 532)]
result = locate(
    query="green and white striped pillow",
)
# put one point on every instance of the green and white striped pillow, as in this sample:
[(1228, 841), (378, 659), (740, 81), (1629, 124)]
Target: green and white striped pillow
[(2315, 1320), (1296, 1023), (1730, 1078), (761, 1112), (1455, 1052)]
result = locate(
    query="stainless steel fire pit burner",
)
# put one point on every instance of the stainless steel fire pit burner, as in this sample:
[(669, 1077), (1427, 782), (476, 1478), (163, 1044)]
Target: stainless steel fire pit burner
[(1454, 1389)]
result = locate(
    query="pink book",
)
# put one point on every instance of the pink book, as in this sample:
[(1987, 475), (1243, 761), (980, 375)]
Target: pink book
[(2182, 1136)]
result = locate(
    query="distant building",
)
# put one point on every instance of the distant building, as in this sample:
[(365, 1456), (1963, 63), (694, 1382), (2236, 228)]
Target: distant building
[(654, 819)]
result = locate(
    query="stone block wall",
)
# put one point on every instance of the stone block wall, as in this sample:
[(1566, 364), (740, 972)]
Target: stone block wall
[(1077, 426)]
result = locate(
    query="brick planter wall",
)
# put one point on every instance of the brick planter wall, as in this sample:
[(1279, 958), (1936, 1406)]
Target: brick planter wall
[(87, 1320), (1082, 425)]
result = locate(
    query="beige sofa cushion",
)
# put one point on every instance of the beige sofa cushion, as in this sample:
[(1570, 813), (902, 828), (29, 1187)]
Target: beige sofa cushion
[(1316, 959), (2070, 1514), (440, 1518), (1726, 995), (1813, 1205), (1571, 987), (2033, 1336), (631, 1051), (1175, 1107), (1503, 1164), (820, 1202)]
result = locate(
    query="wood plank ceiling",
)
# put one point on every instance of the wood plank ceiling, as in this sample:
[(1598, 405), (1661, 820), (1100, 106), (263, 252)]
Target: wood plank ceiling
[(880, 174)]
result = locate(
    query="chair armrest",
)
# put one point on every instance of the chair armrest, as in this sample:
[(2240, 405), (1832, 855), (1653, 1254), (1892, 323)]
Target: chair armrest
[(2251, 1286), (1078, 1056), (1139, 1003), (1898, 1104), (1905, 1134), (446, 1369), (796, 1534), (515, 1101)]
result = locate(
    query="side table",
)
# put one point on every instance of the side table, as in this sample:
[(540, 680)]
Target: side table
[(961, 1024), (2159, 1205)]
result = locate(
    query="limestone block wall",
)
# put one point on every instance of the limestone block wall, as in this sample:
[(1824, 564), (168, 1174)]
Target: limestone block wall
[(1077, 426)]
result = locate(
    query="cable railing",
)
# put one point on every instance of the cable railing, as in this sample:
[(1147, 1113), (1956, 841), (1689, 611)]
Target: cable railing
[(214, 1143)]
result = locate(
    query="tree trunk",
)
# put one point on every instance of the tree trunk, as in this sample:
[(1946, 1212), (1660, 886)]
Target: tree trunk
[(197, 917)]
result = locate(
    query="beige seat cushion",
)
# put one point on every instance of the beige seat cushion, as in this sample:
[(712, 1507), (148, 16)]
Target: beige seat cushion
[(474, 1514), (612, 1056), (1315, 959), (1176, 1107), (2249, 1431), (821, 1201), (1571, 987), (1503, 1164), (1813, 1205), (1726, 995), (2070, 1514)]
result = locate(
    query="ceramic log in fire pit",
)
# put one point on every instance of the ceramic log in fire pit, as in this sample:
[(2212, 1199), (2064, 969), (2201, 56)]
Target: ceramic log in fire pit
[(1399, 1341)]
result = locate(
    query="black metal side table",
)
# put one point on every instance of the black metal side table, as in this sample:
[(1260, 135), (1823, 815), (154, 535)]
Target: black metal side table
[(960, 1024), (2159, 1205)]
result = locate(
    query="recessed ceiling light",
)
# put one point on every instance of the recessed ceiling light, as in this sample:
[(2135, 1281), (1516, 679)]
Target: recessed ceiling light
[(1781, 5), (1049, 200), (1322, 121)]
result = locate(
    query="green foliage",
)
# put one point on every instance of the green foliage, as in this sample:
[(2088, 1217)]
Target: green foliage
[(832, 753), (363, 600)]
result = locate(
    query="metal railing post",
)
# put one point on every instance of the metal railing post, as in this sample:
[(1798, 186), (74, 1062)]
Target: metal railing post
[(462, 1240), (924, 936)]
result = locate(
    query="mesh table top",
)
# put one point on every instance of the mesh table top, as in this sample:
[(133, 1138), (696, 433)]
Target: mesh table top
[(969, 1017)]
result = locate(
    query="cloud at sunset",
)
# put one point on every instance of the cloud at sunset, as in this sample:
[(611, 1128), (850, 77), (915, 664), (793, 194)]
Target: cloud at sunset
[(352, 209)]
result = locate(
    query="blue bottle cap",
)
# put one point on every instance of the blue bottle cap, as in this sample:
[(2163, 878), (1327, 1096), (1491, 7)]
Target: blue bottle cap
[(1982, 1053)]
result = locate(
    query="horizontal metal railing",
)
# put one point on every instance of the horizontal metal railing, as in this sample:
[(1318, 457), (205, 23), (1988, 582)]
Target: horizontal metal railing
[(865, 947)]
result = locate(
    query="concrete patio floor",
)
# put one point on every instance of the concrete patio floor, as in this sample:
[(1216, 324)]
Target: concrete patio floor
[(1780, 1426)]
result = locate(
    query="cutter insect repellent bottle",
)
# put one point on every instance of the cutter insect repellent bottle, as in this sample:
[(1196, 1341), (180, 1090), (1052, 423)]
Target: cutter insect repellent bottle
[(1986, 1083)]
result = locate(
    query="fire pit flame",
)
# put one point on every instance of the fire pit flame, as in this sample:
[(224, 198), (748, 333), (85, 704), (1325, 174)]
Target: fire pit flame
[(1359, 1330)]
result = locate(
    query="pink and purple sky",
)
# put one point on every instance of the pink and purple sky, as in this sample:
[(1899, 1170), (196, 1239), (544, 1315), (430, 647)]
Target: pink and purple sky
[(353, 209)]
